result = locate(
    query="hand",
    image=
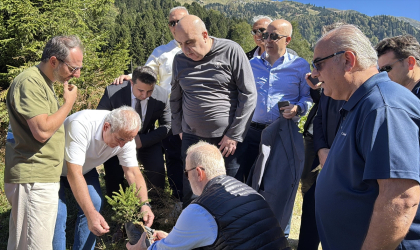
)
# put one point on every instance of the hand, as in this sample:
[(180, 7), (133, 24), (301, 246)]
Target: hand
[(159, 235), (180, 136), (148, 215), (70, 93), (138, 141), (227, 146), (289, 111), (140, 245), (322, 155), (121, 79), (97, 224), (310, 84)]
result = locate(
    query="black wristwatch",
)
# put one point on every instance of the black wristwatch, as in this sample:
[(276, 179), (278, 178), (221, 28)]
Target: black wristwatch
[(147, 204), (299, 110)]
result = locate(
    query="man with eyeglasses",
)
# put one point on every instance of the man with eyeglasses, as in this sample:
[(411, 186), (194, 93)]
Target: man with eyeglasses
[(227, 214), (258, 28), (34, 159), (400, 57), (279, 77), (367, 195), (91, 138)]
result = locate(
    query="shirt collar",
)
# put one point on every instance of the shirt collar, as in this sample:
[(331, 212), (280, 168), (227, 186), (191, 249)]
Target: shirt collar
[(98, 133), (283, 59), (365, 88)]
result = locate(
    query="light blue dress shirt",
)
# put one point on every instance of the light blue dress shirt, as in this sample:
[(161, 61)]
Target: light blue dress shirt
[(194, 228), (284, 81)]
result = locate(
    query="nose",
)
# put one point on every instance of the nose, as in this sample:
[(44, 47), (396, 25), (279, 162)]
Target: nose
[(314, 73), (121, 143), (77, 73)]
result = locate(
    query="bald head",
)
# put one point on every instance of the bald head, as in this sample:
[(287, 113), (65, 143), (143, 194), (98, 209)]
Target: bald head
[(283, 26), (192, 36)]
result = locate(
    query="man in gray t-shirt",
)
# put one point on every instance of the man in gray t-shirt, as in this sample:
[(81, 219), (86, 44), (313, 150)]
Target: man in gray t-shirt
[(213, 92)]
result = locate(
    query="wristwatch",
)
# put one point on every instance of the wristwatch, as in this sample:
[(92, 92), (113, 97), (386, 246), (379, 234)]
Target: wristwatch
[(299, 110), (147, 204)]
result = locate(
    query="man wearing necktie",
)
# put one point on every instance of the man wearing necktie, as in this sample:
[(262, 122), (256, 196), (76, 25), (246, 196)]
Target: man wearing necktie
[(152, 104)]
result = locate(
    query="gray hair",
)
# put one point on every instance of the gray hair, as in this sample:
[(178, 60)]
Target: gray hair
[(259, 17), (208, 157), (178, 8), (124, 119), (349, 37), (59, 46), (327, 28), (402, 46)]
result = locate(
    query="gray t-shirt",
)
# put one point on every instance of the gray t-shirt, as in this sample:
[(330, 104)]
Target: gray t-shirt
[(215, 96)]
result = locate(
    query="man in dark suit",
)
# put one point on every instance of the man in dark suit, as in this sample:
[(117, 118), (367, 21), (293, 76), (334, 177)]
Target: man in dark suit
[(152, 103)]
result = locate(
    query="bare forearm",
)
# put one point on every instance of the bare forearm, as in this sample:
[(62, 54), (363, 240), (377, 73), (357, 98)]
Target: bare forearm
[(44, 126), (80, 191), (133, 175), (391, 219)]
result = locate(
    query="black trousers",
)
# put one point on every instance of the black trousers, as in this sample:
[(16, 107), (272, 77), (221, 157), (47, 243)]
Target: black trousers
[(174, 165), (249, 153), (154, 170)]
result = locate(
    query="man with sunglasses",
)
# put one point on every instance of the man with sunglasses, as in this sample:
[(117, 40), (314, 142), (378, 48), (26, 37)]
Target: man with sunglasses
[(227, 214), (34, 160), (258, 28), (279, 77), (400, 57), (368, 193)]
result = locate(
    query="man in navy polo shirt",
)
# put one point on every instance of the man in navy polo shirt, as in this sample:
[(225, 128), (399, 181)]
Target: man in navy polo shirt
[(368, 191)]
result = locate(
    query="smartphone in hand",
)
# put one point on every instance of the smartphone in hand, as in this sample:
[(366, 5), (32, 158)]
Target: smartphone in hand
[(282, 104)]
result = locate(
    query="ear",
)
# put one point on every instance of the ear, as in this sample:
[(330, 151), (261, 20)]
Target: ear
[(205, 35), (201, 173), (411, 62), (106, 126), (131, 81), (288, 40), (350, 61), (54, 62)]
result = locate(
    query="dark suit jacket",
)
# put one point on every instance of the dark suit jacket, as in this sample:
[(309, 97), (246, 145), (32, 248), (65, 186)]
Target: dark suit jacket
[(158, 109), (278, 168), (315, 95)]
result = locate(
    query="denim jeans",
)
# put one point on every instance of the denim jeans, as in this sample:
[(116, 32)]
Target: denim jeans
[(83, 238)]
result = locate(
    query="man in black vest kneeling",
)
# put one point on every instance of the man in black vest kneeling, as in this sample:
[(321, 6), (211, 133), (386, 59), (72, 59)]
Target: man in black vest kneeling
[(228, 214)]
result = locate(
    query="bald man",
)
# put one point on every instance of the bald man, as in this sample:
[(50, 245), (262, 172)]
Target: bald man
[(258, 28), (213, 93), (279, 76)]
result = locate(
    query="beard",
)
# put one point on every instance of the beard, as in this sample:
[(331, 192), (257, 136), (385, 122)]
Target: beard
[(57, 76)]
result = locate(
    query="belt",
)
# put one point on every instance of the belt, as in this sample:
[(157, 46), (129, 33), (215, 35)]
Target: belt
[(259, 125)]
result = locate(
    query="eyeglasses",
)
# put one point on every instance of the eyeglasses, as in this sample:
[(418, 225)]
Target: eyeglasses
[(316, 64), (186, 171), (388, 68), (70, 67), (173, 23), (258, 31), (273, 36)]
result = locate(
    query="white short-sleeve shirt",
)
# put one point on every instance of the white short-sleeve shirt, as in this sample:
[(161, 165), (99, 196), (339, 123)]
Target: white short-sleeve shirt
[(84, 144)]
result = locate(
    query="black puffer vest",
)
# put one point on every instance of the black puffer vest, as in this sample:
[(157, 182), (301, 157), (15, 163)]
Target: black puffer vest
[(243, 217)]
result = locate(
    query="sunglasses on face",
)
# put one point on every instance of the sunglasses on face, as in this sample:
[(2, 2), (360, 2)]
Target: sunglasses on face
[(388, 68), (72, 69), (272, 36), (186, 171), (257, 31), (173, 23), (317, 63)]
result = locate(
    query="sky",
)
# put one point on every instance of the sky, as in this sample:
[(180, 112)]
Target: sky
[(405, 8)]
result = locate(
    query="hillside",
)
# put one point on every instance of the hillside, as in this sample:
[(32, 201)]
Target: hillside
[(311, 18)]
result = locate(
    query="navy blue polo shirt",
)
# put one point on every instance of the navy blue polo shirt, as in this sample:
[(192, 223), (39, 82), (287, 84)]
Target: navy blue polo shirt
[(378, 138)]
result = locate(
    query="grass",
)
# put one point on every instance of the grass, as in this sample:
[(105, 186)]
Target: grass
[(163, 208)]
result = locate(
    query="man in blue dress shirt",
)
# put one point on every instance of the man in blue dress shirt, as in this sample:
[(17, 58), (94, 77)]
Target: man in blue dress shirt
[(367, 194), (279, 76)]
